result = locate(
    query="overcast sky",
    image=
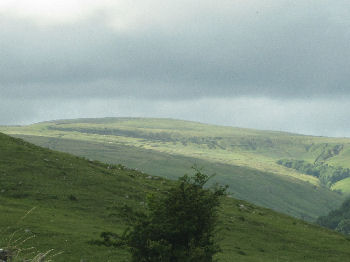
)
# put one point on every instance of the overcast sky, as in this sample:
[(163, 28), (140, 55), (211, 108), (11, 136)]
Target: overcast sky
[(272, 64)]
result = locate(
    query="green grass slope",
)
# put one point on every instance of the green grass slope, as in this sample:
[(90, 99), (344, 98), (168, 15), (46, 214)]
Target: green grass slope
[(245, 159), (76, 199), (281, 193)]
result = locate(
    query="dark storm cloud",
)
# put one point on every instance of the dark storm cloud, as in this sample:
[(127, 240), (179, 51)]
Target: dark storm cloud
[(285, 49)]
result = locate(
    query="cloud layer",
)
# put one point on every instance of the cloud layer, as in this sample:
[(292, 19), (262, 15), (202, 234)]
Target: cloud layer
[(180, 54), (274, 48)]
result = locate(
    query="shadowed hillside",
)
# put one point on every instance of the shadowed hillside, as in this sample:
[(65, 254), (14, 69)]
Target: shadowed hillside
[(249, 161)]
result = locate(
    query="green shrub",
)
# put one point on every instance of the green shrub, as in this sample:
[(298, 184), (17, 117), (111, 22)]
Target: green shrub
[(180, 224)]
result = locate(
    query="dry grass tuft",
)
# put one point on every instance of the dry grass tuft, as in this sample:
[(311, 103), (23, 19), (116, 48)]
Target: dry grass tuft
[(14, 248)]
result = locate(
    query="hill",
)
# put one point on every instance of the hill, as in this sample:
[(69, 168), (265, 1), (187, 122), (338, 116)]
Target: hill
[(249, 161), (76, 199), (338, 219)]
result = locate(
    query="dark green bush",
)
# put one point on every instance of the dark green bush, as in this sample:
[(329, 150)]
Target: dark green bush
[(180, 224)]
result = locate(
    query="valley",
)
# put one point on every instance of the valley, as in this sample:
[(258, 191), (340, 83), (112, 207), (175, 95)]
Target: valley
[(244, 159)]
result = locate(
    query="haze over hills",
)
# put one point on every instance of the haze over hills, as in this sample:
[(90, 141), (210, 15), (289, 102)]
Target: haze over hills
[(76, 199), (251, 162)]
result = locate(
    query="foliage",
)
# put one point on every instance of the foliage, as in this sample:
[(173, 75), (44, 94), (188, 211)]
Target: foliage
[(180, 225), (328, 175), (344, 226), (338, 219)]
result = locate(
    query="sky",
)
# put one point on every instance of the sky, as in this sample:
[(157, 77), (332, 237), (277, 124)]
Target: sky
[(272, 64)]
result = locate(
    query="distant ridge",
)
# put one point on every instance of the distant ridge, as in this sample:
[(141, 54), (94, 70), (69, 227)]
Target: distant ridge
[(101, 120)]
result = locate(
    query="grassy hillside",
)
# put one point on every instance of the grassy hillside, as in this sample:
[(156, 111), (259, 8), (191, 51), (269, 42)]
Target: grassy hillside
[(245, 159), (76, 199)]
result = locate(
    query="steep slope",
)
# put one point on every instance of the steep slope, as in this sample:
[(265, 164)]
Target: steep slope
[(338, 219), (76, 199), (245, 159)]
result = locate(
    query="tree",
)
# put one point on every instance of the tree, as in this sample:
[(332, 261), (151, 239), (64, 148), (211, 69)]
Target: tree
[(344, 226), (180, 225)]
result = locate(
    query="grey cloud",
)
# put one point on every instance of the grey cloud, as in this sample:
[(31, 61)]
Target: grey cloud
[(290, 49)]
